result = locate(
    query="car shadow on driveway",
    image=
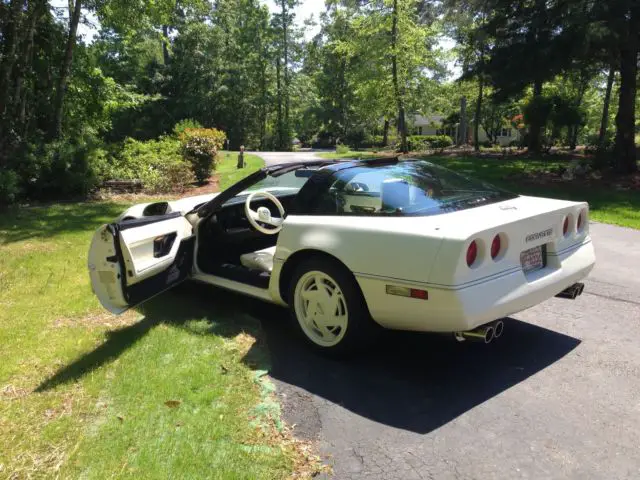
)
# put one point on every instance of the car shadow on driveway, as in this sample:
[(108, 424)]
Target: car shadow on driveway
[(412, 381)]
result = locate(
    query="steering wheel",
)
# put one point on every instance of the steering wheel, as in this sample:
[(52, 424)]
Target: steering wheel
[(264, 214)]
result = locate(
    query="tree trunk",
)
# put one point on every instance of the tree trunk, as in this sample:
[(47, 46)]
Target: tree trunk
[(604, 123), (26, 60), (573, 139), (385, 133), (625, 146), (279, 126), (263, 104), (535, 128), (165, 45), (462, 131), (402, 126), (285, 40), (56, 128), (476, 123), (9, 54)]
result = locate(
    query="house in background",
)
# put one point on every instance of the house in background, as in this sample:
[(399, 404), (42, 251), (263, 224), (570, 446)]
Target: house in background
[(432, 125)]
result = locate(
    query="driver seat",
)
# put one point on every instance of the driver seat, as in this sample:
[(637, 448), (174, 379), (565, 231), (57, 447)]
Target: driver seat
[(261, 260)]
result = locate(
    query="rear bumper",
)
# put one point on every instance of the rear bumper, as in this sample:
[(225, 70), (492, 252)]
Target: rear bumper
[(459, 308)]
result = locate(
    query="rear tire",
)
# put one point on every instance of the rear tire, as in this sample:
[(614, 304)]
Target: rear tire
[(328, 308)]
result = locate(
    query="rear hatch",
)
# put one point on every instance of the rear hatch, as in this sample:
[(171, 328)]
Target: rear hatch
[(526, 234)]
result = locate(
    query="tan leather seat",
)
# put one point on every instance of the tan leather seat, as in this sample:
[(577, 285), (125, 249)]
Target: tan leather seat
[(261, 260)]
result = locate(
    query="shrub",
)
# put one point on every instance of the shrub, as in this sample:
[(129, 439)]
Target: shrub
[(428, 142), (158, 164), (592, 140), (61, 169), (200, 147), (9, 189), (342, 149), (186, 124)]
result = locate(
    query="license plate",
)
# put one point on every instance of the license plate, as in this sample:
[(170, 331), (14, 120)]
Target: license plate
[(532, 259)]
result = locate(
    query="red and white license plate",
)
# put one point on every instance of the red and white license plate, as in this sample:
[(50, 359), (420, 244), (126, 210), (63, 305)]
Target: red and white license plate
[(532, 259)]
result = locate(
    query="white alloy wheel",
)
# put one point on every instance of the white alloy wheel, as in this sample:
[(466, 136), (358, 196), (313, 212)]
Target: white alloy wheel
[(321, 308)]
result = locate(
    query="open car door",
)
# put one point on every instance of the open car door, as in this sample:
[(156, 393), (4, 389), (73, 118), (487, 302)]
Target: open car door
[(134, 260)]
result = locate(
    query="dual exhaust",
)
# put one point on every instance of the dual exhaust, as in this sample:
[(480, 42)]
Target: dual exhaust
[(573, 292), (485, 334), (492, 331)]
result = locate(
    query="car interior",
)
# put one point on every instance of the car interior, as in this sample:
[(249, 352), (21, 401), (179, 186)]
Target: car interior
[(235, 250)]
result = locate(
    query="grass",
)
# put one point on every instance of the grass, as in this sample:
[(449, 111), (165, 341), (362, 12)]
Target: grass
[(607, 204), (167, 391), (227, 170)]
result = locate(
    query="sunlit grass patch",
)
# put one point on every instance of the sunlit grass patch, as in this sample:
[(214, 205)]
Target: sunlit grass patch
[(170, 390)]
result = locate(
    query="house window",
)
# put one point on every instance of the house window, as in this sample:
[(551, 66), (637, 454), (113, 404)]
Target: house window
[(419, 130), (506, 132)]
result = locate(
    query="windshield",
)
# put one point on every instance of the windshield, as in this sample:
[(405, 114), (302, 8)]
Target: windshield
[(286, 184), (407, 188), (289, 182)]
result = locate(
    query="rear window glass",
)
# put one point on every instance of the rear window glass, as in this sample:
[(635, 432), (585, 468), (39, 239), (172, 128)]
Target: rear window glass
[(405, 188)]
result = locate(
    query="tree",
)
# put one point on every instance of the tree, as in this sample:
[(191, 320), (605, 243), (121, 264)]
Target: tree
[(604, 122), (283, 24), (624, 21), (61, 89), (466, 21)]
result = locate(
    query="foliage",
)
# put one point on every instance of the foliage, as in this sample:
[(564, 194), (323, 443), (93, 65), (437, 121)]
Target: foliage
[(342, 149), (9, 189), (186, 124), (158, 164), (429, 142), (234, 66), (200, 147)]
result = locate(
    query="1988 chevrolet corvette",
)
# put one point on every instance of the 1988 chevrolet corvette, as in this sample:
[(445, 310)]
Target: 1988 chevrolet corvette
[(351, 246)]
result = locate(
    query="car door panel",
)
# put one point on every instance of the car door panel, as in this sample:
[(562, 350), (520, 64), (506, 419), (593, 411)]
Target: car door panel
[(139, 247), (134, 260)]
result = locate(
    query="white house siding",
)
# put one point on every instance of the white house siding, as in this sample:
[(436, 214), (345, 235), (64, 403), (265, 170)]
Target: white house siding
[(432, 126)]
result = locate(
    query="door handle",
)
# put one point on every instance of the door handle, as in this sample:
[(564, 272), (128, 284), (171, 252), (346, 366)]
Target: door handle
[(162, 245)]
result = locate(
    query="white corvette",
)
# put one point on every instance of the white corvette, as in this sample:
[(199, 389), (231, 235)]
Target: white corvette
[(350, 246)]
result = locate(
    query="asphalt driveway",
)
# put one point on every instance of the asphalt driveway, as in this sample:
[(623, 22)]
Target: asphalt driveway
[(558, 396)]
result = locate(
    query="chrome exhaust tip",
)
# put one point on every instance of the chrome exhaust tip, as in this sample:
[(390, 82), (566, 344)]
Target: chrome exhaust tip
[(498, 329), (573, 292), (484, 334)]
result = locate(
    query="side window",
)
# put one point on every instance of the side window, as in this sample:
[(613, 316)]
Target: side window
[(374, 192)]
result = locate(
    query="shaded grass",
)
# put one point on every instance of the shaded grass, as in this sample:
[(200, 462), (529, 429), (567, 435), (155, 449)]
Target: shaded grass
[(607, 204), (227, 170), (82, 393)]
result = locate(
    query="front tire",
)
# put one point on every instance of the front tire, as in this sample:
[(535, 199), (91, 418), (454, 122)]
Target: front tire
[(328, 309)]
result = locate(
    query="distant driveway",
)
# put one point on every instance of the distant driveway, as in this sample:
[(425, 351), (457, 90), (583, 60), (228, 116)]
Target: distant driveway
[(276, 158)]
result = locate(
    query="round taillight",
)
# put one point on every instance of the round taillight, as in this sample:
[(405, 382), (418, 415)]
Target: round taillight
[(580, 220), (472, 253), (565, 227), (496, 246)]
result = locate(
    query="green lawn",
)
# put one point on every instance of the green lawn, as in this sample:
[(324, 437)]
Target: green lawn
[(607, 204), (168, 391), (227, 167)]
